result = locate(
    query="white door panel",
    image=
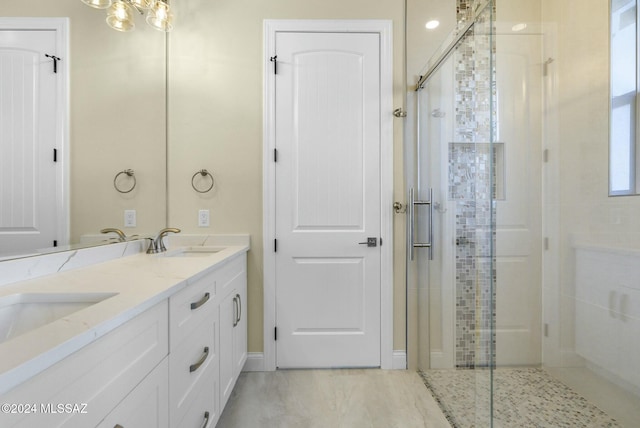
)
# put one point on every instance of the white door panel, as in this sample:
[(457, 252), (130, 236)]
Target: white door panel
[(28, 133), (518, 223), (327, 199)]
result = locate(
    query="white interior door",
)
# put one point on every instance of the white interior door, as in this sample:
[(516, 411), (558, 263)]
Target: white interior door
[(328, 199), (30, 197), (519, 213)]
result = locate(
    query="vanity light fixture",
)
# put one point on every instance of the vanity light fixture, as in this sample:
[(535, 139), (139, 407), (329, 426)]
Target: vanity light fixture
[(120, 13)]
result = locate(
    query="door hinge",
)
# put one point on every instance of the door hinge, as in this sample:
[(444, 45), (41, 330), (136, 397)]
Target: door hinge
[(274, 60), (381, 241), (55, 155), (275, 155), (275, 245), (55, 62), (55, 243), (545, 155), (275, 333)]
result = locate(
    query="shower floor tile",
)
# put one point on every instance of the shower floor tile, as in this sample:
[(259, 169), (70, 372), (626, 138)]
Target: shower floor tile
[(523, 397)]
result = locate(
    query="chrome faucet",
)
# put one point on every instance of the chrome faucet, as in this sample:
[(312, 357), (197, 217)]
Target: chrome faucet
[(121, 236), (157, 245)]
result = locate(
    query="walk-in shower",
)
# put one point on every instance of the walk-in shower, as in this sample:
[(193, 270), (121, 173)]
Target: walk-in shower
[(523, 291)]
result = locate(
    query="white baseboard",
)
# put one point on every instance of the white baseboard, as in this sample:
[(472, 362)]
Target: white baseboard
[(399, 360), (255, 362)]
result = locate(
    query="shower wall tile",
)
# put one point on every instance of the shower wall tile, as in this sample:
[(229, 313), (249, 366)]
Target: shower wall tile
[(472, 185)]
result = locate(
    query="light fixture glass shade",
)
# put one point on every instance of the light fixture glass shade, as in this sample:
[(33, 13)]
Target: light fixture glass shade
[(119, 16), (160, 16), (143, 4), (97, 4)]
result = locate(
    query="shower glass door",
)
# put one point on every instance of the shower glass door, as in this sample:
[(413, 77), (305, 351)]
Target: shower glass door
[(455, 187)]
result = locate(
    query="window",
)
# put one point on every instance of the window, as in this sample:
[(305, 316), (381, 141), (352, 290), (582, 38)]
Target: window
[(624, 88)]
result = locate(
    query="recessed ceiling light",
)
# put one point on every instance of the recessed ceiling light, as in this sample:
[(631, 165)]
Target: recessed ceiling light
[(432, 24), (519, 27)]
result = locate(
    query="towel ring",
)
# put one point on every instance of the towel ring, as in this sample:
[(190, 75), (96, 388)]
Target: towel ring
[(204, 173), (128, 173)]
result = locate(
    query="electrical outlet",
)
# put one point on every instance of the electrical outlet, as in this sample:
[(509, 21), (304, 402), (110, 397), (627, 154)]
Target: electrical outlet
[(129, 218), (203, 218)]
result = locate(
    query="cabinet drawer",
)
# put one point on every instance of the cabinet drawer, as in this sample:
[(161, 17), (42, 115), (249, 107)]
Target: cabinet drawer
[(189, 307), (98, 375), (146, 406), (191, 364), (227, 273), (203, 410)]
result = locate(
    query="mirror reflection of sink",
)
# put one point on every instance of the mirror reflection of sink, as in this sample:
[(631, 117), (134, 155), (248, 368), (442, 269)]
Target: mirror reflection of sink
[(21, 313), (194, 251)]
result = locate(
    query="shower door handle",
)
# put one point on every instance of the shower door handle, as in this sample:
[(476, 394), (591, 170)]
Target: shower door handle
[(412, 223)]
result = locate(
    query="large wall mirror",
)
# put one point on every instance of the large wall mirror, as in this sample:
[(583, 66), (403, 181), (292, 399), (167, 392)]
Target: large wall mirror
[(117, 119)]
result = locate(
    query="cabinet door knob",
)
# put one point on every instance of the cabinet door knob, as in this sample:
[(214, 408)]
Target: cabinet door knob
[(196, 366)]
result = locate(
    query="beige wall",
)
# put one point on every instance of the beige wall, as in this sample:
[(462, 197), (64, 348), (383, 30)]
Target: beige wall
[(117, 116), (215, 122)]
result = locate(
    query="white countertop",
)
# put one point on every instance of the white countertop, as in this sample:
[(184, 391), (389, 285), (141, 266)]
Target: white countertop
[(140, 281)]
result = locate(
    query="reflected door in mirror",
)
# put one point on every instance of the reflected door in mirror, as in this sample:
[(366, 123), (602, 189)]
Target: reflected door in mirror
[(30, 132)]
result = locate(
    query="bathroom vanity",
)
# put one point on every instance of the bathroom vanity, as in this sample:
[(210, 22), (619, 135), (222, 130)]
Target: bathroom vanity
[(137, 341)]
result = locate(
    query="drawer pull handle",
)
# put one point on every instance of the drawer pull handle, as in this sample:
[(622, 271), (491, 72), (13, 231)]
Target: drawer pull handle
[(200, 302), (206, 420), (239, 309), (196, 366), (118, 426)]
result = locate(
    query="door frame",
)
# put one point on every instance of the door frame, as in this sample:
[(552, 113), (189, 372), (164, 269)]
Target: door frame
[(61, 27), (384, 29)]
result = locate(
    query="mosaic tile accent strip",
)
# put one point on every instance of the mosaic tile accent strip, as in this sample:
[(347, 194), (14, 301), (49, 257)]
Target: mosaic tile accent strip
[(472, 186), (523, 397)]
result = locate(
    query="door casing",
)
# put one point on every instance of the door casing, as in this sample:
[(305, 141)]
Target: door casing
[(384, 29)]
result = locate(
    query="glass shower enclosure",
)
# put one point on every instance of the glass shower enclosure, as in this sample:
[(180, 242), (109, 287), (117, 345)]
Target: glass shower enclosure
[(523, 278), (451, 214)]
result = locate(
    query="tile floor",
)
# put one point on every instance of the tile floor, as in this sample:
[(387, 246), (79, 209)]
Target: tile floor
[(332, 398)]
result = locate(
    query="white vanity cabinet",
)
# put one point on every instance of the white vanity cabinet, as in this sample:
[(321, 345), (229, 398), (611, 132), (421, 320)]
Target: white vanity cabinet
[(194, 357), (172, 365), (208, 344), (233, 328), (96, 379)]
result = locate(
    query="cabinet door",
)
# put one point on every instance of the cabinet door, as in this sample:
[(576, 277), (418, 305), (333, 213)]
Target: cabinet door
[(146, 406), (240, 330), (233, 334), (228, 308)]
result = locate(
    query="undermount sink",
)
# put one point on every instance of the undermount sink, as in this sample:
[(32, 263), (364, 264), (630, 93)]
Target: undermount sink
[(21, 313), (194, 251)]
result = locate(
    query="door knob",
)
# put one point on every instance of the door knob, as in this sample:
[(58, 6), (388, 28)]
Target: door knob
[(371, 242)]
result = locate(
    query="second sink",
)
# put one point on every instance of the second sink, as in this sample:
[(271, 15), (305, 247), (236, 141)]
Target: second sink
[(23, 312), (194, 251)]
